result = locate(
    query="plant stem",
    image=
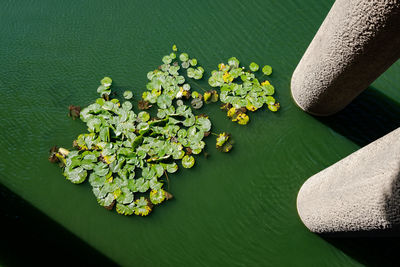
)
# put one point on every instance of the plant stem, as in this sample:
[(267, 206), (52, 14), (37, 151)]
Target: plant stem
[(165, 172)]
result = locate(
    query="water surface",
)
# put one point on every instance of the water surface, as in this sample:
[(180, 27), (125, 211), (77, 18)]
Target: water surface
[(234, 209)]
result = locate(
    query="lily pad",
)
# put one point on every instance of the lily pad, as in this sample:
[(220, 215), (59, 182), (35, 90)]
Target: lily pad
[(188, 161), (267, 70), (254, 66), (125, 209), (128, 95), (157, 196), (197, 103)]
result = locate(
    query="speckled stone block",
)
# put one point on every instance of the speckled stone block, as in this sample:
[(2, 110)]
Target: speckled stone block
[(359, 193), (355, 44)]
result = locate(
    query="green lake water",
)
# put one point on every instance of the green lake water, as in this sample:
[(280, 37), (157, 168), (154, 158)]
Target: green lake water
[(236, 209)]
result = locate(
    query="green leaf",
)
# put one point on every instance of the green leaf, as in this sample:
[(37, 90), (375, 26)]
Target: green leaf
[(107, 201), (157, 196), (167, 59), (267, 70), (155, 184), (269, 89), (184, 57), (172, 167), (96, 181), (254, 67), (142, 207), (125, 197), (125, 209), (203, 124), (164, 101), (142, 185), (128, 95), (143, 116), (188, 161), (233, 62), (106, 81), (193, 62), (197, 103), (101, 169), (127, 105), (76, 176)]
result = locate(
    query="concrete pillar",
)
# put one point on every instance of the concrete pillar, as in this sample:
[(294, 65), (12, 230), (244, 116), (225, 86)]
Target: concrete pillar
[(356, 43), (359, 193)]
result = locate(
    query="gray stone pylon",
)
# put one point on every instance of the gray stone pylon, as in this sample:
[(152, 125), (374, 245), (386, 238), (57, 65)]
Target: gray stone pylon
[(359, 193), (355, 44)]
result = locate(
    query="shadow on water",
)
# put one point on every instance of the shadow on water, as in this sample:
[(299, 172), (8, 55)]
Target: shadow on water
[(370, 249), (27, 235), (370, 116)]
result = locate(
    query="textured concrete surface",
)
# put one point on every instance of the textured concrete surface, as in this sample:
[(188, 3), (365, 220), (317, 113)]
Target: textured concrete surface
[(360, 192), (355, 44)]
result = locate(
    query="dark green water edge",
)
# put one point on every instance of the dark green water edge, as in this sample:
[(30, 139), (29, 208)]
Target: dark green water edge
[(29, 236)]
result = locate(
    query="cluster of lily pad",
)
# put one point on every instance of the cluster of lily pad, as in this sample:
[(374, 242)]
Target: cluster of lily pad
[(241, 91), (126, 155)]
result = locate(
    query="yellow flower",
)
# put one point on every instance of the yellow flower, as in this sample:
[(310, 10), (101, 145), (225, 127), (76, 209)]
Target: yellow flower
[(227, 77), (207, 96), (221, 66), (265, 83)]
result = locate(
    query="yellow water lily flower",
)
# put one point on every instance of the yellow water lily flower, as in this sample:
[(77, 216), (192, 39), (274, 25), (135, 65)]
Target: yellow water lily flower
[(265, 83)]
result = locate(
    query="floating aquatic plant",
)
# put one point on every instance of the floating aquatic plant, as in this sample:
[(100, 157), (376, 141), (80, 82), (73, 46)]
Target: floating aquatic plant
[(241, 91), (126, 156)]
